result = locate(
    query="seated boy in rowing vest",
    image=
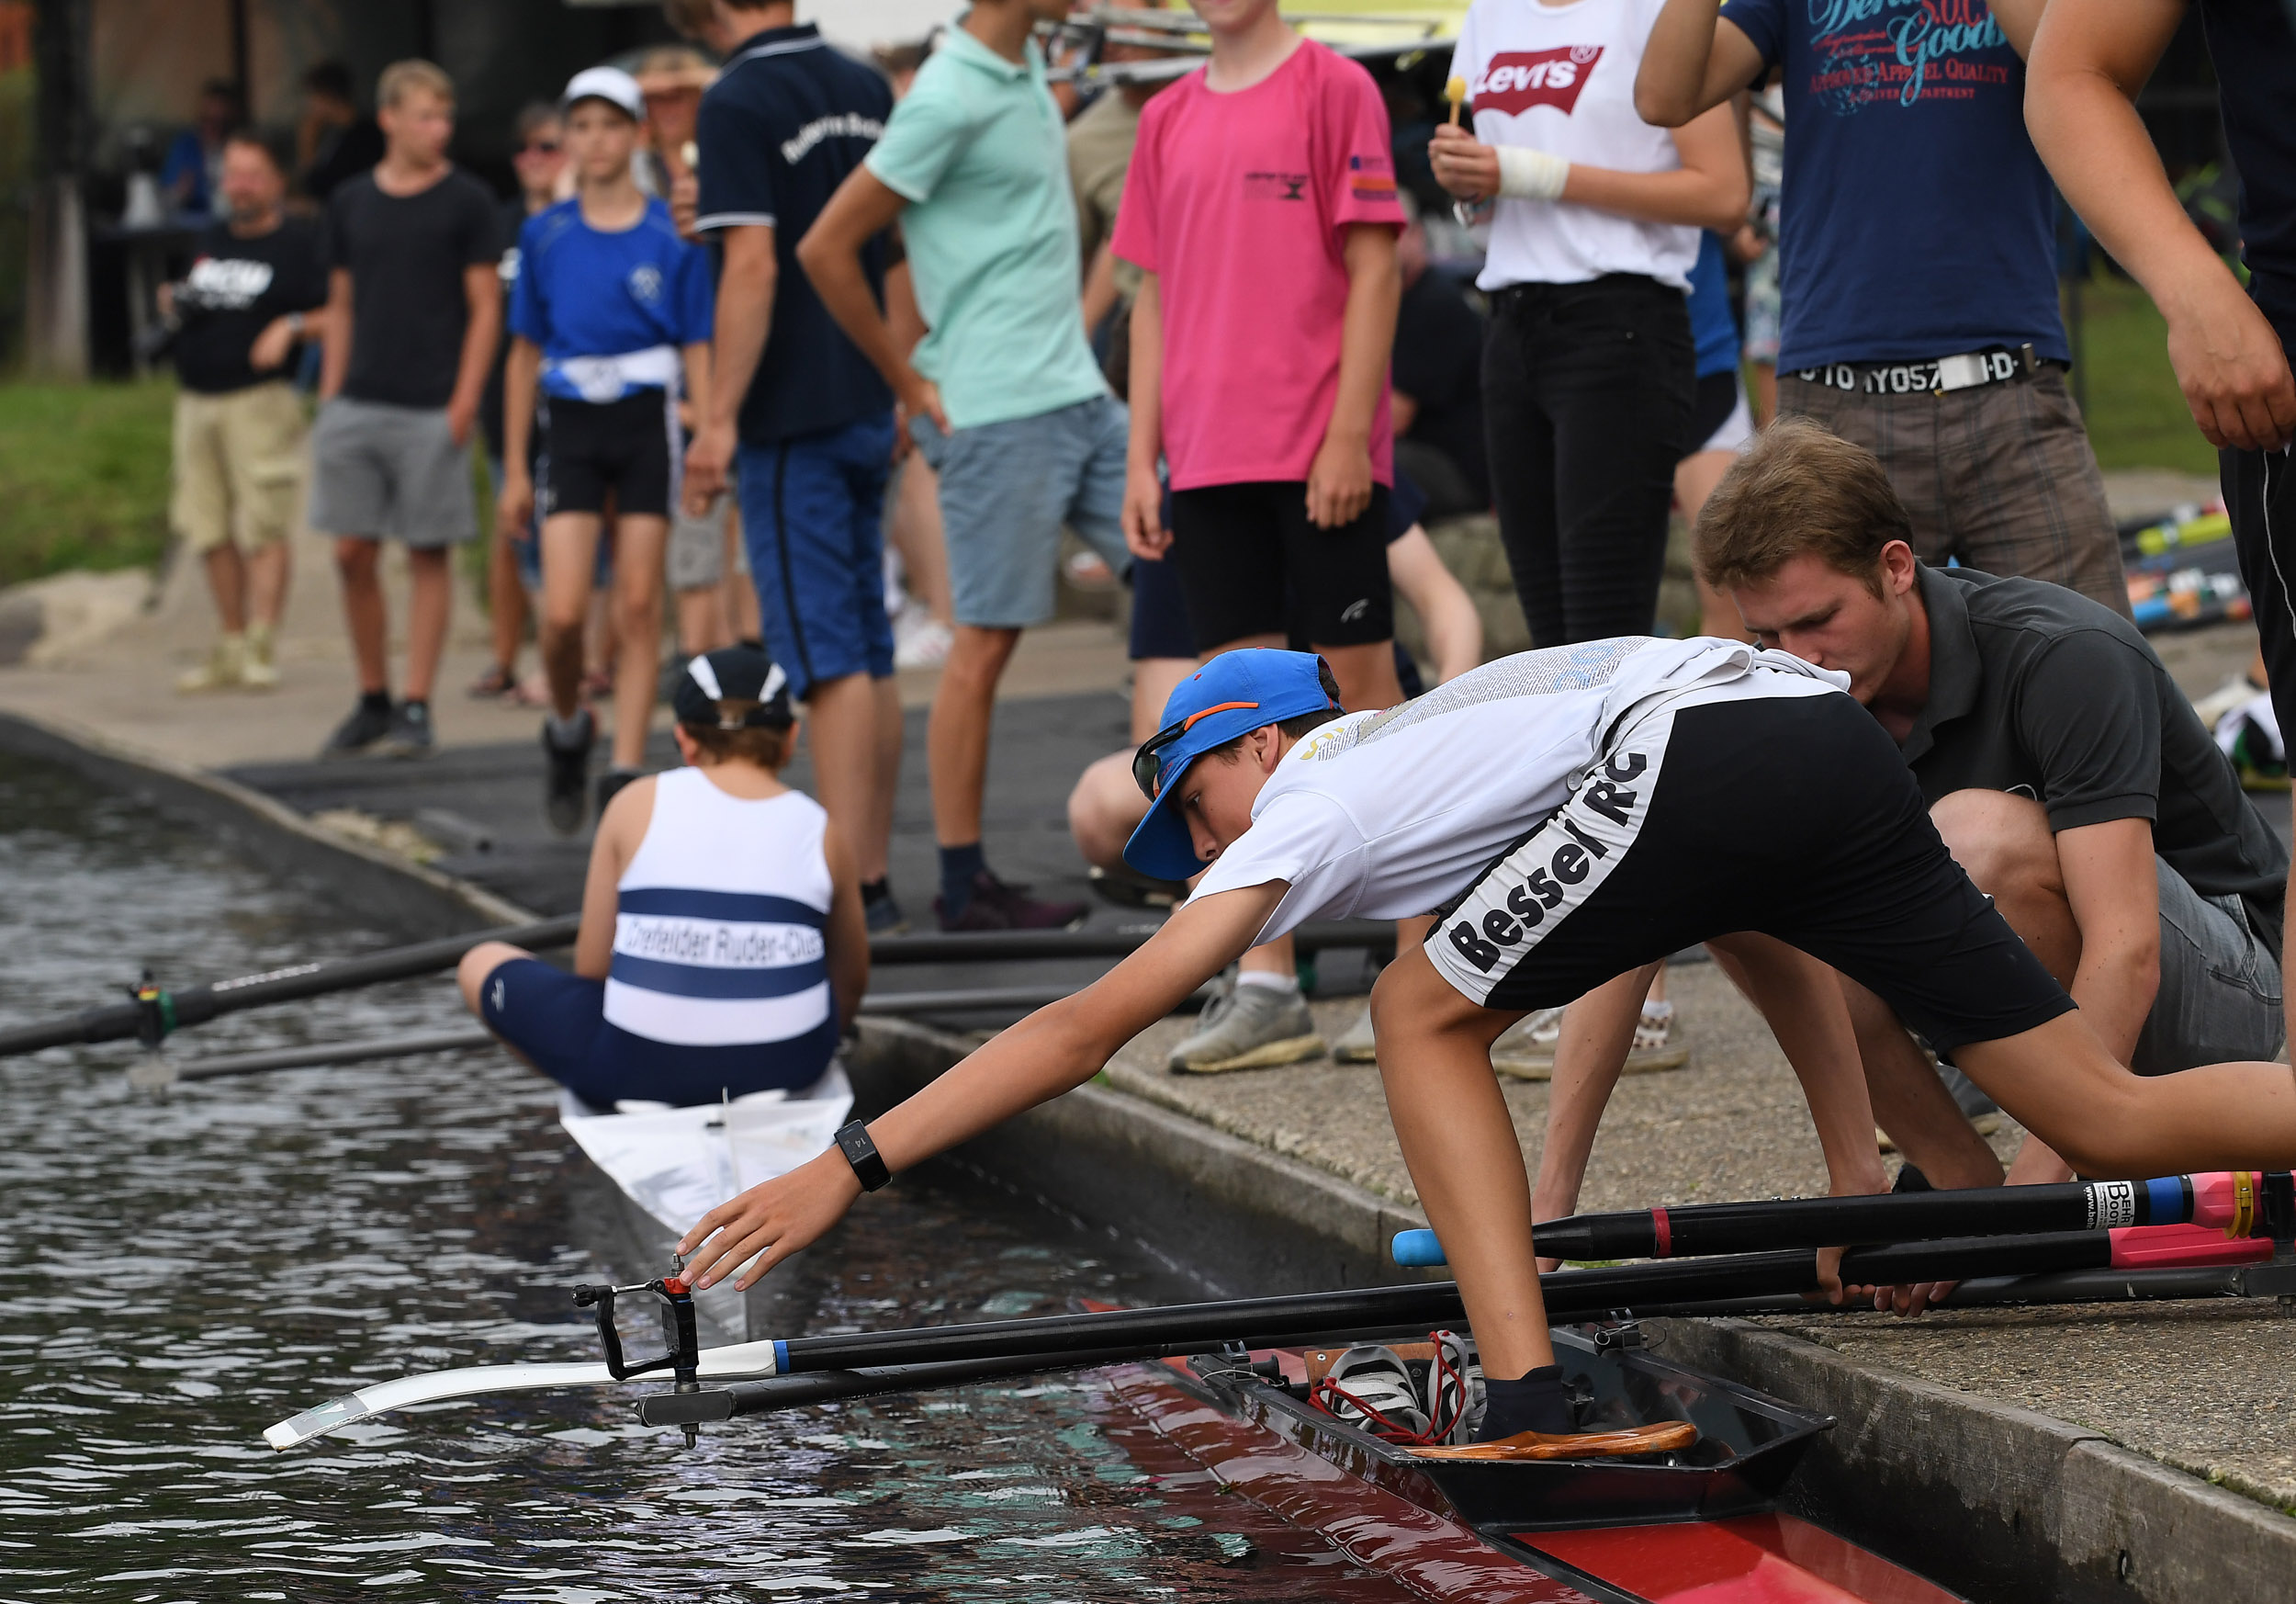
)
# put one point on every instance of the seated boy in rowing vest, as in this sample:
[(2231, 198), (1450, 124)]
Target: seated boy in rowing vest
[(721, 940), (1569, 815)]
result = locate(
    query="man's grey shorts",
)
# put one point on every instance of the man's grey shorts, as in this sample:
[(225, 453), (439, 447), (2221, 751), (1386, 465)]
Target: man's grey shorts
[(382, 470), (2220, 985), (1006, 489), (695, 557)]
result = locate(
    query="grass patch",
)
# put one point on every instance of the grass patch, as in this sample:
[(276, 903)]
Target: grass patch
[(2137, 416), (82, 476)]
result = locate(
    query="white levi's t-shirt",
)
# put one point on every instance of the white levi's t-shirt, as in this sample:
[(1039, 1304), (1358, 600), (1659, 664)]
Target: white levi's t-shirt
[(1561, 79), (1389, 815)]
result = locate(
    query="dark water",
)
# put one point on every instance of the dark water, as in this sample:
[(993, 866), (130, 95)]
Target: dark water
[(175, 1275)]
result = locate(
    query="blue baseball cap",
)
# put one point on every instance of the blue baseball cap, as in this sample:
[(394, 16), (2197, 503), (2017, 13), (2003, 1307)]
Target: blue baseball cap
[(1230, 696)]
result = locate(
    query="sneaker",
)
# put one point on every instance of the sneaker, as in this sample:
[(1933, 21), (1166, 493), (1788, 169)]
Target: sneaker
[(493, 685), (998, 906), (261, 671), (1357, 1045), (1127, 887), (920, 639), (1526, 1049), (1249, 1027), (224, 671), (2236, 692), (569, 773), (409, 734), (355, 734), (881, 912), (610, 786)]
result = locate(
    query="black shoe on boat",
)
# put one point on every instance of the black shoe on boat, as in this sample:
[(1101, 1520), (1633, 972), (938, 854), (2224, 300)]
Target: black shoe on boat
[(568, 778)]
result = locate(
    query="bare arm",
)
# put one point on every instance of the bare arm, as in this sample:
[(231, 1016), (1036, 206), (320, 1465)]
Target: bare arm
[(1143, 497), (1695, 59), (863, 207), (482, 331), (514, 497), (697, 367), (849, 929), (1099, 297), (619, 833), (1053, 1050), (746, 287), (1339, 481), (2089, 59), (1710, 189), (335, 357), (1454, 631)]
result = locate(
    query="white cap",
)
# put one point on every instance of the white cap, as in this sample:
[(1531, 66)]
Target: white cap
[(611, 85)]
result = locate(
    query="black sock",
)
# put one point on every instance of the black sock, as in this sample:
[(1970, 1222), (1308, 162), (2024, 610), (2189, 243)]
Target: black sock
[(375, 701), (877, 890), (958, 865), (1911, 1180), (1533, 1402)]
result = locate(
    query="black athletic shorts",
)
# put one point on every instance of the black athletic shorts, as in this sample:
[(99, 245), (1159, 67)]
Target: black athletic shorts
[(591, 448), (1716, 399), (1252, 564), (1794, 815)]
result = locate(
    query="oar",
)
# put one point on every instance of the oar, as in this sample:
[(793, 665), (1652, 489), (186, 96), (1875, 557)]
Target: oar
[(2237, 1201), (157, 1013), (1154, 1333)]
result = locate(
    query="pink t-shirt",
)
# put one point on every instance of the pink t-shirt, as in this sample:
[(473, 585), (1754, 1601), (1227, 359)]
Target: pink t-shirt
[(1239, 204)]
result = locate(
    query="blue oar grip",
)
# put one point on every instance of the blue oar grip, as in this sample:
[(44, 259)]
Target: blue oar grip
[(2170, 1201), (1417, 1249)]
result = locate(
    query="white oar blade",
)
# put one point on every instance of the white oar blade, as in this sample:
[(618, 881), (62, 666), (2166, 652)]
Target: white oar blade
[(740, 1358)]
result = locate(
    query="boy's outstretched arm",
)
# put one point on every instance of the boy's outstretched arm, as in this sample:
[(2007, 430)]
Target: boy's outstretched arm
[(1053, 1050)]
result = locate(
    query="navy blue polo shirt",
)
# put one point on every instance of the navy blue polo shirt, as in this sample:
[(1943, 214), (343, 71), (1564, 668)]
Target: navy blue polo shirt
[(786, 120)]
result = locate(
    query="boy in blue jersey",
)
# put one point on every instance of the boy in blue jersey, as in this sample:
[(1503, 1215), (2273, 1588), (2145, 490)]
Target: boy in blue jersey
[(609, 305)]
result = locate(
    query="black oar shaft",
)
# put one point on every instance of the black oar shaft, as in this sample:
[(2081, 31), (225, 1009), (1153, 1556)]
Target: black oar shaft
[(1005, 946), (1572, 1294)]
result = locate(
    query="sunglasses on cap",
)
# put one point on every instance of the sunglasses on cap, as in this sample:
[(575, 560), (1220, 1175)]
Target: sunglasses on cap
[(1149, 759)]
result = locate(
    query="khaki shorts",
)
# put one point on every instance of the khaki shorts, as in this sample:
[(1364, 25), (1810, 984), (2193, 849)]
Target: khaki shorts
[(238, 466)]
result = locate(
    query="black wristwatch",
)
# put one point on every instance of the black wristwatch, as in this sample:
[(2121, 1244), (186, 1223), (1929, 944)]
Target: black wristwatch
[(869, 1166)]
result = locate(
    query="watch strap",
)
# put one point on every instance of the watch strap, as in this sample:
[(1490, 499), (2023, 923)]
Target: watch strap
[(868, 1165)]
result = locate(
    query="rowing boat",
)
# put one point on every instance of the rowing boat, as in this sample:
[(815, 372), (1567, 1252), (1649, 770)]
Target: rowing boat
[(1704, 1523)]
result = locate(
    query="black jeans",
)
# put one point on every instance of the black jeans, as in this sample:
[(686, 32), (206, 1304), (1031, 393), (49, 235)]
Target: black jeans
[(1588, 391)]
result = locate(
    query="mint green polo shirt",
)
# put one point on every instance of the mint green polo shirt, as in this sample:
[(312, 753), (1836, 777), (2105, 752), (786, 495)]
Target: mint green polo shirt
[(978, 151)]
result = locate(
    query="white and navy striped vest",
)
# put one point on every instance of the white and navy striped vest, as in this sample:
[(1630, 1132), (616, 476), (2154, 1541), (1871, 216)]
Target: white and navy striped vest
[(719, 937)]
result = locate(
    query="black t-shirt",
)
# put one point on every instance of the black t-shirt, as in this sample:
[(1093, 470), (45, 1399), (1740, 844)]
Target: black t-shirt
[(1438, 363), (2037, 690), (234, 290), (508, 221), (785, 122), (2253, 43), (406, 256)]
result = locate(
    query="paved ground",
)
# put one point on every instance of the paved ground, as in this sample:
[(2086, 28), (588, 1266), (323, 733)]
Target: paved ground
[(2206, 1388)]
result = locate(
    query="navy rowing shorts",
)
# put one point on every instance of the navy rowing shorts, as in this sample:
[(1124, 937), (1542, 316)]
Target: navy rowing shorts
[(557, 1021)]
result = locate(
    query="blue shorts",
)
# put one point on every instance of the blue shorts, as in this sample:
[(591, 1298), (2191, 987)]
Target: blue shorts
[(1006, 489), (813, 517), (556, 1023)]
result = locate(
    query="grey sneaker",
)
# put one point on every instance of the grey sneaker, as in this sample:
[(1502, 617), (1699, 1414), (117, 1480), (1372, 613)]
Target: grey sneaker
[(1526, 1048), (1249, 1027), (358, 733), (1358, 1047), (410, 733)]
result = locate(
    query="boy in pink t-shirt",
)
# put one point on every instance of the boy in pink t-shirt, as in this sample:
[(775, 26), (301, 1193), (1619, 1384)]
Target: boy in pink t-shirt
[(1261, 205)]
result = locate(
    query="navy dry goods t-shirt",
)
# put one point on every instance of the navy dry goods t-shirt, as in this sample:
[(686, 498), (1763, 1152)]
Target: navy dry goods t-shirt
[(786, 120), (235, 288), (406, 256), (1916, 218)]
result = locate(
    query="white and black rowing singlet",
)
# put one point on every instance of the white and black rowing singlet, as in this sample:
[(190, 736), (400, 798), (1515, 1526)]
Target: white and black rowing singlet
[(719, 938)]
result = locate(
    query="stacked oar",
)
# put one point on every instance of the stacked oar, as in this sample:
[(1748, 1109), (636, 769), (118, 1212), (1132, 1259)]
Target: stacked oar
[(155, 1013), (2222, 1224)]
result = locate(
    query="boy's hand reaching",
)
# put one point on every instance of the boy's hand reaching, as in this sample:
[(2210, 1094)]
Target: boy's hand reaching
[(769, 1221), (1339, 484)]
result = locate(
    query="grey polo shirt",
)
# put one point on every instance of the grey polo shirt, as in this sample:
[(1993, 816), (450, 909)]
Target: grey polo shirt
[(2037, 690)]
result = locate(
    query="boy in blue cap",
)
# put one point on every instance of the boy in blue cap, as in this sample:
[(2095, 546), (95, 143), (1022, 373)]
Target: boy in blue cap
[(1567, 814)]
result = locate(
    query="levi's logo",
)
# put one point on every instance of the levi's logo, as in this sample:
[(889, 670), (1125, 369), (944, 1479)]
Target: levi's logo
[(1518, 80), (1275, 186)]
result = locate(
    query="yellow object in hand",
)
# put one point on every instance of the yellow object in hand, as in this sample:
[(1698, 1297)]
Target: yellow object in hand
[(1456, 92)]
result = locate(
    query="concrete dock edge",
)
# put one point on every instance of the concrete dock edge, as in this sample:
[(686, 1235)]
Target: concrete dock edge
[(2002, 1504)]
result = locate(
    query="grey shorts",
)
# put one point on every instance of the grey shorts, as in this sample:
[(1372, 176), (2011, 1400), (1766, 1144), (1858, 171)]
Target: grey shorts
[(695, 558), (382, 470), (1006, 489), (2220, 985)]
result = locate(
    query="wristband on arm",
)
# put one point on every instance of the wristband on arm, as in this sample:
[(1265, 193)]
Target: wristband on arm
[(1528, 175), (869, 1166)]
